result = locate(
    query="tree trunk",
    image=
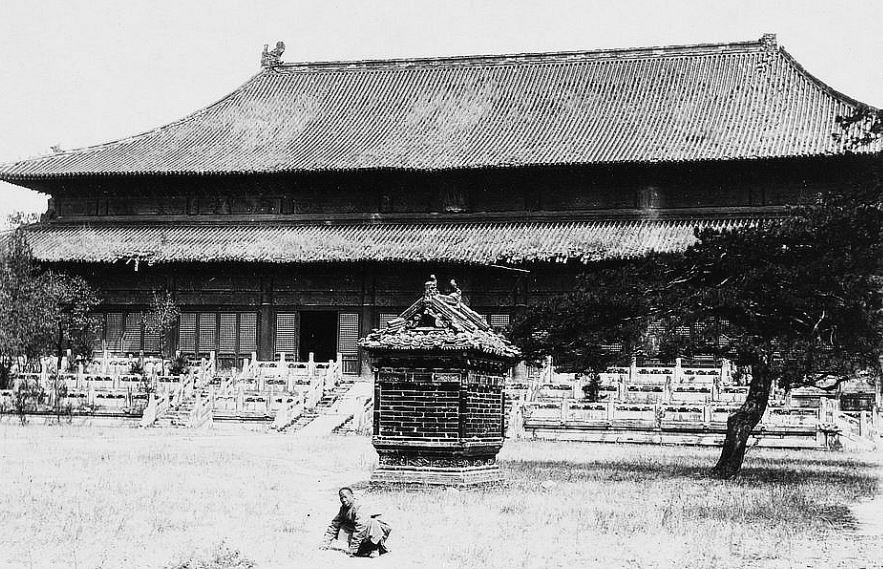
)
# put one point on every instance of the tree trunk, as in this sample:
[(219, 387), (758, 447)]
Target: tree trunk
[(742, 422), (5, 372)]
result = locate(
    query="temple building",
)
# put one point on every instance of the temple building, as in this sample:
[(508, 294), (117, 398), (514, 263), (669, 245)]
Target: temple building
[(305, 208)]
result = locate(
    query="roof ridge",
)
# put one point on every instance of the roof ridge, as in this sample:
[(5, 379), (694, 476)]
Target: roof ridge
[(528, 57)]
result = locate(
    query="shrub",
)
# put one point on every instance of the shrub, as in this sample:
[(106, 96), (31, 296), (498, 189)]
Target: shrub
[(26, 396), (179, 365)]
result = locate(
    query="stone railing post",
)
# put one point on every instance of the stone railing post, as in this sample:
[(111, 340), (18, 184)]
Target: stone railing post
[(633, 376), (104, 358), (44, 372)]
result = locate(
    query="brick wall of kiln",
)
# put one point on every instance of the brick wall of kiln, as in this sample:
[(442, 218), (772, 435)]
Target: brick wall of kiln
[(420, 410), (484, 412)]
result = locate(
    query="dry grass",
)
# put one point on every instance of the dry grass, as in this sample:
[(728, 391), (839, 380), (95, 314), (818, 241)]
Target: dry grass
[(90, 497)]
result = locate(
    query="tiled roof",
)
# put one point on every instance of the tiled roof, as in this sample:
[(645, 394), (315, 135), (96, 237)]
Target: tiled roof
[(474, 243), (438, 322), (707, 102)]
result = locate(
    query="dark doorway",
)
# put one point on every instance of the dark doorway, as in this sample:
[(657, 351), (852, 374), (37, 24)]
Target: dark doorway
[(318, 334)]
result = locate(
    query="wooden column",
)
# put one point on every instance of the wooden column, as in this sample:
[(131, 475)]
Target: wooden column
[(366, 323), (464, 409)]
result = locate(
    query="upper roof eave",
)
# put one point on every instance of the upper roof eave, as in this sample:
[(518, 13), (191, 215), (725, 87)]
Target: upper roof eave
[(13, 178)]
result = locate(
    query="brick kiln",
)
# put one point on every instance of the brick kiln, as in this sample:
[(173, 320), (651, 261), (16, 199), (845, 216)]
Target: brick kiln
[(438, 393)]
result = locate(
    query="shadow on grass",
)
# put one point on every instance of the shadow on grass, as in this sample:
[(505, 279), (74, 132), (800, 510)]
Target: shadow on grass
[(856, 474)]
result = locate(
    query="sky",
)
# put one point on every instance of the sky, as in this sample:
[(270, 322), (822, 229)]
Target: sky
[(80, 72)]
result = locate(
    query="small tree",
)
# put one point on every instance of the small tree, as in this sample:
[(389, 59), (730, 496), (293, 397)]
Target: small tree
[(60, 404), (28, 315), (161, 319), (796, 300), (75, 327), (26, 397), (42, 311), (602, 322), (17, 219), (592, 389), (793, 301)]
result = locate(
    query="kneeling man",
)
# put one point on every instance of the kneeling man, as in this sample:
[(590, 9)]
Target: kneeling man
[(366, 532)]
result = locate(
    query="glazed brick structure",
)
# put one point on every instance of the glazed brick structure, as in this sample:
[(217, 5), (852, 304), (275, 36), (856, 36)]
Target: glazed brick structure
[(439, 411), (425, 411), (439, 371), (484, 412)]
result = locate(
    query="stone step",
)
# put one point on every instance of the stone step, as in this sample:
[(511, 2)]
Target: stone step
[(305, 419)]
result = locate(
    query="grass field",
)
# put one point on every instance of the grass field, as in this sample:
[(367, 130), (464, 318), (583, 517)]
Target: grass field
[(91, 497)]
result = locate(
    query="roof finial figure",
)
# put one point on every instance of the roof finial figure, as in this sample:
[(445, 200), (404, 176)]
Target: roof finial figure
[(768, 41), (273, 56), (430, 288), (456, 294)]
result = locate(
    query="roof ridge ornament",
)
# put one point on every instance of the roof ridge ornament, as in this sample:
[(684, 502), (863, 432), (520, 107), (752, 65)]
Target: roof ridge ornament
[(430, 287), (272, 57), (768, 41), (456, 295)]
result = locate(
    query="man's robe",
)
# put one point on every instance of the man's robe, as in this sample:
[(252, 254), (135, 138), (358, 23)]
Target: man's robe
[(359, 525)]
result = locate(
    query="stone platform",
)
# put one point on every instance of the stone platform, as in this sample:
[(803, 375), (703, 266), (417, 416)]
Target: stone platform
[(437, 475)]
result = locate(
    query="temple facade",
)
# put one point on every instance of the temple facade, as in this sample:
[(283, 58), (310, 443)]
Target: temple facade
[(304, 209)]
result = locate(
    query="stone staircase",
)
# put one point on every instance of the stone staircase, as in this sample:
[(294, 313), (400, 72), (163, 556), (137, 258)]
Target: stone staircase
[(330, 398), (305, 419), (324, 407), (180, 417)]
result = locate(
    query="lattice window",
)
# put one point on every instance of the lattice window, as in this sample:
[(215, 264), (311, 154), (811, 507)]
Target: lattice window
[(227, 334), (248, 332), (187, 333), (114, 331), (499, 320), (132, 334), (286, 333), (208, 323), (348, 333), (385, 317), (151, 341)]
